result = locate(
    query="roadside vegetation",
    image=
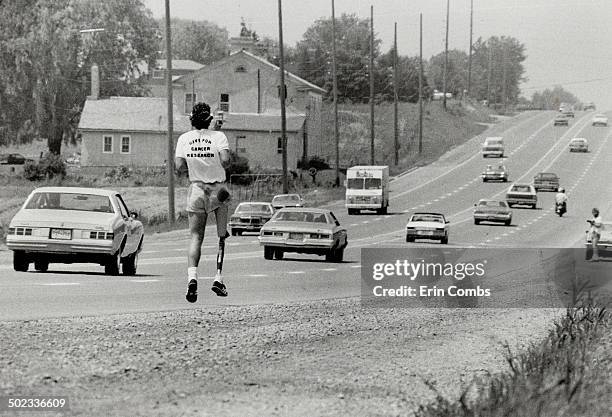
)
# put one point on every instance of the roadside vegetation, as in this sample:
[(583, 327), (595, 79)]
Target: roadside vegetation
[(563, 375)]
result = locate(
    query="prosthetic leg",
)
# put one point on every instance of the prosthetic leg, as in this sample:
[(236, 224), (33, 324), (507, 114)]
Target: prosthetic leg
[(218, 286)]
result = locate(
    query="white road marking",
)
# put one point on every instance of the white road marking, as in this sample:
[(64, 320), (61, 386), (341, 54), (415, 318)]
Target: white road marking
[(257, 275), (296, 272), (355, 266), (144, 280), (57, 284), (329, 269)]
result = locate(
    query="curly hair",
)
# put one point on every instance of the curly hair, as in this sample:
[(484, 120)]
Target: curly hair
[(200, 116)]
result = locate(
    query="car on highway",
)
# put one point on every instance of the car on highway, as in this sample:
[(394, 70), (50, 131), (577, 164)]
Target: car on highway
[(73, 224), (431, 226), (522, 194), (287, 200), (548, 181), (250, 217), (561, 120), (579, 145), (304, 230), (568, 113), (492, 211), (599, 120), (589, 106), (495, 173), (493, 146), (604, 245)]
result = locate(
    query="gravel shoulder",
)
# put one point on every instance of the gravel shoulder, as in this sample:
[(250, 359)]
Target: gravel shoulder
[(322, 358)]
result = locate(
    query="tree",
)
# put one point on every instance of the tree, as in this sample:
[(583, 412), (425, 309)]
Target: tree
[(456, 72), (552, 99), (312, 55), (505, 55), (199, 41), (407, 76), (46, 60)]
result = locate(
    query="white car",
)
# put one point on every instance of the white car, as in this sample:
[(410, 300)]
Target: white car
[(579, 145), (493, 146), (287, 200), (599, 120), (432, 226), (70, 225)]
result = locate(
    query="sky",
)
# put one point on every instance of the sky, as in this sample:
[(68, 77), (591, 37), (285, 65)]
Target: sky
[(567, 42)]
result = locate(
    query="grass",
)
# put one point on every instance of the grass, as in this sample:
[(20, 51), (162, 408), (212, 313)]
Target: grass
[(442, 131), (552, 378)]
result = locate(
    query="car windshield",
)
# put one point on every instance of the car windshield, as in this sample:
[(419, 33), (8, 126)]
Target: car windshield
[(70, 201), (355, 183), (521, 188), (487, 203), (427, 218), (287, 199), (372, 183), (253, 207), (301, 216), (547, 176)]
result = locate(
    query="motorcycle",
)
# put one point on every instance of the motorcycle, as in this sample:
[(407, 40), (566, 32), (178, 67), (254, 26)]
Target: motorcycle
[(560, 209)]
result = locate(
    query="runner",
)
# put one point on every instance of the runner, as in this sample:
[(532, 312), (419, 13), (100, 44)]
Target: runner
[(204, 153)]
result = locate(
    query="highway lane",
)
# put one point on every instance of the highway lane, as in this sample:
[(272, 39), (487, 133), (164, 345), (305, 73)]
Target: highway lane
[(533, 142)]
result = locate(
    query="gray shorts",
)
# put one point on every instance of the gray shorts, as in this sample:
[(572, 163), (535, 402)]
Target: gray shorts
[(202, 199)]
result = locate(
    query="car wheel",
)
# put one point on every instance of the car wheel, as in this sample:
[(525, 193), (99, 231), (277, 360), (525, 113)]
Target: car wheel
[(484, 180), (329, 256), (233, 232), (239, 232), (21, 263), (278, 254), (444, 240), (268, 252), (113, 264), (383, 210), (589, 253), (476, 221), (41, 265), (130, 264), (508, 222)]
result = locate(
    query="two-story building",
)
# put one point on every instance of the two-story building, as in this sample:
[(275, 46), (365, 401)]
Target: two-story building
[(243, 86)]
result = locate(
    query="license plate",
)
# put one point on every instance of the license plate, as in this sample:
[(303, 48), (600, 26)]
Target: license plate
[(425, 232), (62, 234), (296, 236)]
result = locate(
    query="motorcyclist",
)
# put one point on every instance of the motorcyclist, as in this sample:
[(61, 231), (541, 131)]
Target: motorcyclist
[(561, 198)]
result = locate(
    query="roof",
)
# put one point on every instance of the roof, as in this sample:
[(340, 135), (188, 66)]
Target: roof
[(180, 64), (261, 60), (75, 190), (261, 122), (307, 209), (429, 213), (147, 114)]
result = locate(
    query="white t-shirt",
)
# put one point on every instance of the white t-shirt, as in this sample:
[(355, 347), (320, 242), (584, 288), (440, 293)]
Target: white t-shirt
[(561, 198), (200, 148), (597, 225)]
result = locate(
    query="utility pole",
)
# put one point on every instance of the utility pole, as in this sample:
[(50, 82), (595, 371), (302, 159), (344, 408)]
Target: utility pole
[(170, 157), (282, 97), (335, 87), (504, 75), (420, 83), (489, 74), (395, 118), (469, 82), (371, 85), (445, 56)]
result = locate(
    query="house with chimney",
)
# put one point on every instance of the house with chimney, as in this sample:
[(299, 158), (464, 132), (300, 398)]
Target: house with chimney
[(242, 88)]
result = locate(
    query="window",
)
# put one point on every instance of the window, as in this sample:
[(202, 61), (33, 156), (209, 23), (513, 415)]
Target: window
[(125, 144), (190, 100), (279, 146), (240, 68), (224, 102), (158, 74), (107, 146), (239, 141)]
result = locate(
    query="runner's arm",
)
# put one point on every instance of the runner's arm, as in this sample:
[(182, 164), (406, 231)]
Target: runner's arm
[(180, 166)]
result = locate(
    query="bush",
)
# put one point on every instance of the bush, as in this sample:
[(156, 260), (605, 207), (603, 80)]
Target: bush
[(238, 165), (316, 162), (51, 166)]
